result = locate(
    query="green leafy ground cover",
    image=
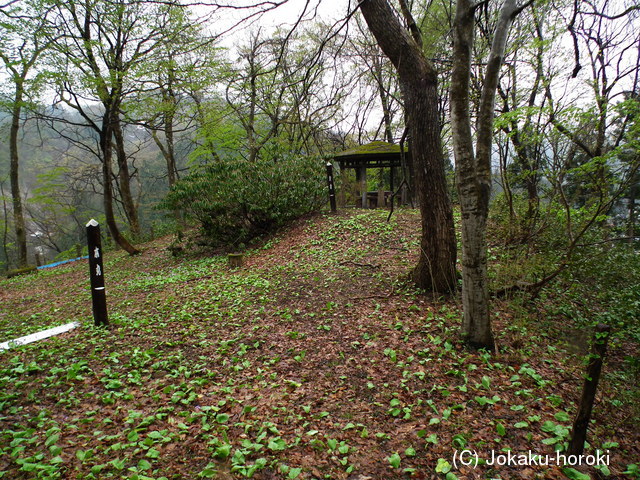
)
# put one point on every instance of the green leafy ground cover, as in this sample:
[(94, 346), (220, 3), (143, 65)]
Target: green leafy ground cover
[(315, 360)]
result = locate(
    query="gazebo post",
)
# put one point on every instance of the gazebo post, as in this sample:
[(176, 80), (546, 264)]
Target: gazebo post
[(380, 202), (358, 170), (363, 186)]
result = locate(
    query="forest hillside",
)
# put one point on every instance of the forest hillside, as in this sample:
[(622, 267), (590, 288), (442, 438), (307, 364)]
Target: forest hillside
[(315, 359)]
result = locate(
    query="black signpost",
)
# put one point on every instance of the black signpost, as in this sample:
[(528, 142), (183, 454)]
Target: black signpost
[(96, 272), (332, 189)]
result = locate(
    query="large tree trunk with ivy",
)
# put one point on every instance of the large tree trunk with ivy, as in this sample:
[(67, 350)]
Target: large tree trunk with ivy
[(418, 80), (473, 169)]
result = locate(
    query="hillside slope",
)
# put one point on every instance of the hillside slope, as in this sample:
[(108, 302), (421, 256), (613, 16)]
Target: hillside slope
[(315, 359)]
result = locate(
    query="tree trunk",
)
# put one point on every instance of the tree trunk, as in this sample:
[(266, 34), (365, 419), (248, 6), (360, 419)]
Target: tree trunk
[(16, 198), (124, 180), (169, 157), (249, 126), (631, 223), (5, 226), (106, 146), (172, 170), (473, 170), (384, 99), (418, 83), (589, 389), (386, 119), (167, 149), (527, 160), (436, 266), (508, 193), (170, 103)]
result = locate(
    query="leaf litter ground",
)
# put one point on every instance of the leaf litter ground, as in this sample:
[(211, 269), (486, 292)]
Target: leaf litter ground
[(316, 359)]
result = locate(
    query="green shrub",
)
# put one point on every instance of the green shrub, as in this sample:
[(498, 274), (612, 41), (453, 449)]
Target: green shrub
[(71, 253), (606, 280), (602, 280), (235, 201)]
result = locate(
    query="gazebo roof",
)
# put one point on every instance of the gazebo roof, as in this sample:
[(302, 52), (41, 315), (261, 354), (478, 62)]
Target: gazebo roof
[(372, 155)]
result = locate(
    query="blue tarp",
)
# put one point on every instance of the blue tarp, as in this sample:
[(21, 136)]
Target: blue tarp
[(62, 262)]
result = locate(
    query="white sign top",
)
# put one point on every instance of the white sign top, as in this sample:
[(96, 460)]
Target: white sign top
[(92, 223)]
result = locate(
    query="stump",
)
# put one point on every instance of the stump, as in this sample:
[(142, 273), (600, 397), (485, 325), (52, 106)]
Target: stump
[(581, 422), (235, 260)]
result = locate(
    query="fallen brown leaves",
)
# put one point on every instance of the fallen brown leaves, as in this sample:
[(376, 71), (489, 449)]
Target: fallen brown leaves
[(318, 337)]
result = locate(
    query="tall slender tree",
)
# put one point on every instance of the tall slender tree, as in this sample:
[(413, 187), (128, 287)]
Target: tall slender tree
[(473, 166), (103, 43), (22, 42)]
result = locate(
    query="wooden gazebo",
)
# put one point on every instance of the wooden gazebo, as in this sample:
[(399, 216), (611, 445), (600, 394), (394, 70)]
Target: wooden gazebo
[(376, 154)]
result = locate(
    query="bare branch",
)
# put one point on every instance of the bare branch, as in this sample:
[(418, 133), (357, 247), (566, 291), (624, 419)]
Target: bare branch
[(617, 16), (522, 7), (574, 36)]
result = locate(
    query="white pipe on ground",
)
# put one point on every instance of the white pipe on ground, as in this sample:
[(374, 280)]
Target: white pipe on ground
[(34, 337)]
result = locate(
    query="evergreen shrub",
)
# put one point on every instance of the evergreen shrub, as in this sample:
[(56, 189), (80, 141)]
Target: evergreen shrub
[(235, 201)]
